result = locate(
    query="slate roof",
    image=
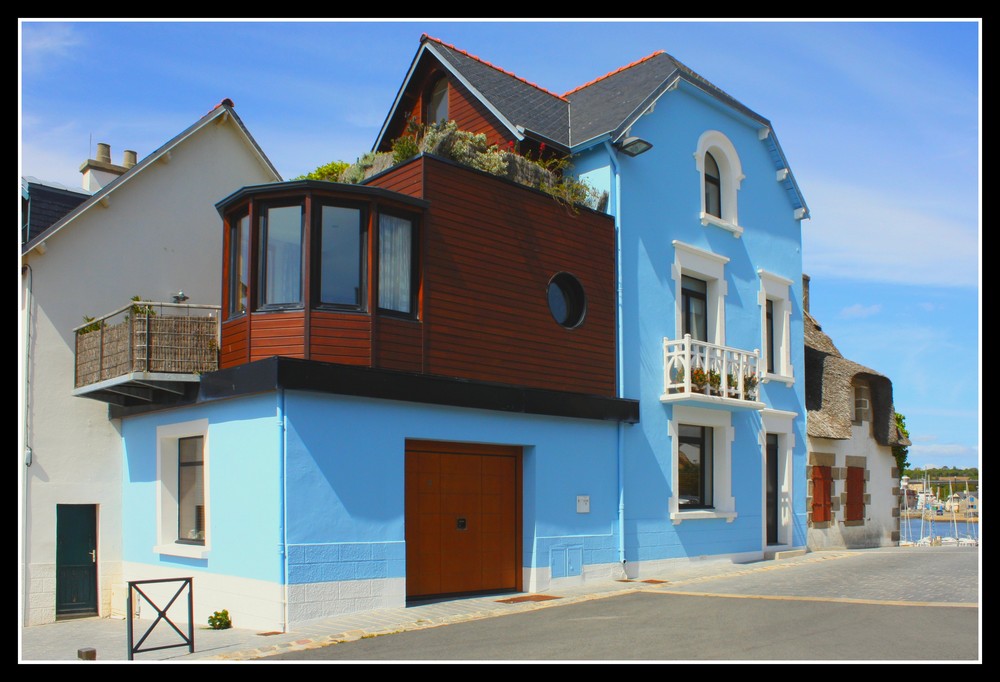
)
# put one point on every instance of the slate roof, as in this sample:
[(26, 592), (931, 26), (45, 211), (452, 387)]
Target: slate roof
[(611, 103), (47, 203), (830, 392), (608, 105), (521, 102)]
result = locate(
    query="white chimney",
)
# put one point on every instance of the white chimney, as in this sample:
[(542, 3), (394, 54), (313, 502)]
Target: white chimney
[(100, 171)]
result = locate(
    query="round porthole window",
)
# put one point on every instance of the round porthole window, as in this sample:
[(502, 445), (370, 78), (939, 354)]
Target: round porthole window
[(567, 302)]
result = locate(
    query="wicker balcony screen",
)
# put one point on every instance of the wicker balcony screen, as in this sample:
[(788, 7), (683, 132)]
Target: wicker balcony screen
[(168, 344)]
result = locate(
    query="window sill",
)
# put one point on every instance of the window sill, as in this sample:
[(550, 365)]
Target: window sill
[(186, 551), (695, 514), (709, 219), (787, 380)]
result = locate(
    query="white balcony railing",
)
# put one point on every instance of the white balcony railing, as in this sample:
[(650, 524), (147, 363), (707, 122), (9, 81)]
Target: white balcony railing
[(696, 368)]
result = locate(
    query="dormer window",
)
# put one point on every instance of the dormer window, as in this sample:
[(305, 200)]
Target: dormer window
[(437, 102), (862, 404), (713, 187)]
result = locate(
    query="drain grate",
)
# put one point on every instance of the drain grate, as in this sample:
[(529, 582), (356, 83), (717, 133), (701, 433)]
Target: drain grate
[(654, 581)]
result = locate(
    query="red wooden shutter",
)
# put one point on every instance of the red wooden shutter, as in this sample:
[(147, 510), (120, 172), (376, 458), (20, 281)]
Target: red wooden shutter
[(855, 494), (821, 493)]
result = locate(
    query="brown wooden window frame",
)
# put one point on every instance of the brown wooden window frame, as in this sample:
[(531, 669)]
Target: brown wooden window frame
[(261, 242), (316, 254), (414, 298), (239, 253)]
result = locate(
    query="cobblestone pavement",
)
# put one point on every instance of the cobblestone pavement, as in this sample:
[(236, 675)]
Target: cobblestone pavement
[(938, 575)]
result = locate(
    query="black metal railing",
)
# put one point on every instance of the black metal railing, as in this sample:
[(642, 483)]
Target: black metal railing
[(161, 614)]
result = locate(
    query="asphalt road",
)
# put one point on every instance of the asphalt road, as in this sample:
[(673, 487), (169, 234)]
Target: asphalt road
[(888, 605)]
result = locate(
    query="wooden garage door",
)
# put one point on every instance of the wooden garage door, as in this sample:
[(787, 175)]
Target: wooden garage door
[(463, 520)]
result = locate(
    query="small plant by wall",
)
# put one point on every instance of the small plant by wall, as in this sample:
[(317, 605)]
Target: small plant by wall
[(220, 620)]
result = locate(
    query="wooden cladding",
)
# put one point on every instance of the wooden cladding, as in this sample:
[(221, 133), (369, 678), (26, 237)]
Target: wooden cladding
[(487, 250), (491, 249)]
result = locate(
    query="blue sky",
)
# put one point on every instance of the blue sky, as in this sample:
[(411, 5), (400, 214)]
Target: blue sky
[(880, 122)]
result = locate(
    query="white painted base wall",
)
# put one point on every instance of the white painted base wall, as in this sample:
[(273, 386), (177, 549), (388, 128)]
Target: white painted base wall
[(313, 601), (40, 592), (540, 579), (252, 604), (653, 569)]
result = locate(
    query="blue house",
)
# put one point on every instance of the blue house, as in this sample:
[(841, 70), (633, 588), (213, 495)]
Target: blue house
[(441, 382)]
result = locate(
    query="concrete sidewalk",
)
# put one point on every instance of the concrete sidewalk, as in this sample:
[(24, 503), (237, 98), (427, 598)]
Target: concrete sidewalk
[(61, 641)]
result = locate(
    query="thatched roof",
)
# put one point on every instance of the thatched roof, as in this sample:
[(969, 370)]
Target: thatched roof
[(830, 379)]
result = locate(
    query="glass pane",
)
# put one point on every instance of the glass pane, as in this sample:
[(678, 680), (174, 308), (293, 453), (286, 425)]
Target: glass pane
[(558, 303), (713, 187), (340, 271), (283, 256), (395, 263), (769, 332), (239, 266), (694, 466), (191, 490), (695, 308), (437, 108)]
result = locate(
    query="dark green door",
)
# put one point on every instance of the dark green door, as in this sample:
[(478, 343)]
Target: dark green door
[(76, 560)]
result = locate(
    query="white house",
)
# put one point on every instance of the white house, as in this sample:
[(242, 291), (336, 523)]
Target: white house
[(853, 481), (149, 229)]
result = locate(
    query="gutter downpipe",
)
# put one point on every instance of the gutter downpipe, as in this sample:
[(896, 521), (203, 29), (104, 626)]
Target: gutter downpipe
[(282, 529), (26, 454), (613, 156)]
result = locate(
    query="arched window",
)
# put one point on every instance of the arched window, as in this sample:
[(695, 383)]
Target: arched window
[(721, 172), (436, 109), (713, 187)]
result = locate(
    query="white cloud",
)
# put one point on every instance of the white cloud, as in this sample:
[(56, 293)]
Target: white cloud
[(40, 40), (945, 454), (857, 310), (861, 234)]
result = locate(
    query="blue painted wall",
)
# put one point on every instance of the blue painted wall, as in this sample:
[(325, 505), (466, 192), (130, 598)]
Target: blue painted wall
[(660, 201), (243, 493), (344, 484)]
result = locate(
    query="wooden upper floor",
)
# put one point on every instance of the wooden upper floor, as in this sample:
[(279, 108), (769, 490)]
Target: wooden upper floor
[(430, 268)]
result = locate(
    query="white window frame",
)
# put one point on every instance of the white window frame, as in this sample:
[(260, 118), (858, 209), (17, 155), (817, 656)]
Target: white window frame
[(782, 424), (167, 488), (730, 177), (776, 289), (723, 433), (710, 267)]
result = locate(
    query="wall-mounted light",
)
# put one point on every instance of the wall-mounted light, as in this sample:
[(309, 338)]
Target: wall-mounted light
[(633, 146), (180, 297)]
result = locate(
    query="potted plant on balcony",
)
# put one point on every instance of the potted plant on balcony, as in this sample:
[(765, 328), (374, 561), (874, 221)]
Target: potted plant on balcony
[(733, 385), (750, 386), (715, 382), (699, 379), (679, 378)]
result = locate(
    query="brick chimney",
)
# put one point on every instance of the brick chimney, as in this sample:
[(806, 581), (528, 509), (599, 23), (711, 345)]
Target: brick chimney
[(100, 171)]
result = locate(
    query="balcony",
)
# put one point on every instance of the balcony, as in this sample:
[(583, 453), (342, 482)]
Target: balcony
[(707, 374), (146, 352)]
